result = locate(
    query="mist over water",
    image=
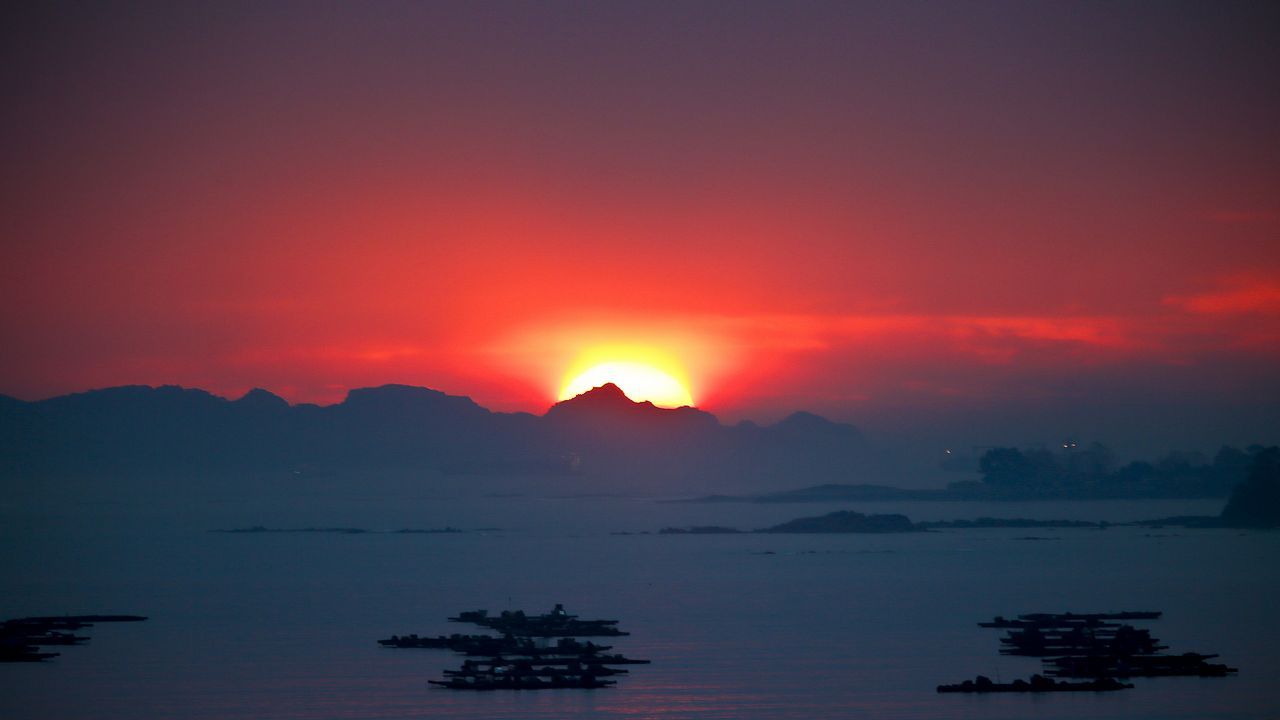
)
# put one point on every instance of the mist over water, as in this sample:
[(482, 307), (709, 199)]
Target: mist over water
[(284, 625)]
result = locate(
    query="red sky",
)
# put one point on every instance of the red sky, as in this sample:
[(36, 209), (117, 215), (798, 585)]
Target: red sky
[(969, 220)]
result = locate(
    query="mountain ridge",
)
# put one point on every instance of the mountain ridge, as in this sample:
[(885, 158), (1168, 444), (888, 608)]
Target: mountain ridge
[(599, 434)]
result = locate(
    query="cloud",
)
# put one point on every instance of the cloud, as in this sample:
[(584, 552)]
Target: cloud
[(996, 339), (1242, 295)]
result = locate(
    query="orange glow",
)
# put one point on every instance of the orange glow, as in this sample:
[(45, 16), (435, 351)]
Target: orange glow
[(699, 356), (642, 374)]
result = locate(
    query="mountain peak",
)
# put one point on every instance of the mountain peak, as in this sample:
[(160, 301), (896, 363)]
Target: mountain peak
[(607, 408), (806, 419), (606, 399), (608, 392), (259, 398), (807, 424)]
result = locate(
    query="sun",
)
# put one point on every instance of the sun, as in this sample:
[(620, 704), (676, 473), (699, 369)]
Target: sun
[(640, 381)]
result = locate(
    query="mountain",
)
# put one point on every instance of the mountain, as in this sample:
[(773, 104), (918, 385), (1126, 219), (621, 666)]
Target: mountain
[(600, 436), (606, 410), (1255, 503)]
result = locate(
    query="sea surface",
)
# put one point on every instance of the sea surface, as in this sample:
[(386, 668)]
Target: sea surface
[(275, 625)]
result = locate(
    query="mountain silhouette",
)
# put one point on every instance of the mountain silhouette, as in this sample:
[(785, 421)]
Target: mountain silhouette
[(263, 401), (609, 415), (601, 435)]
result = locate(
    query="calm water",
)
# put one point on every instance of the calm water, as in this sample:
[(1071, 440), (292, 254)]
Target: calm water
[(859, 626)]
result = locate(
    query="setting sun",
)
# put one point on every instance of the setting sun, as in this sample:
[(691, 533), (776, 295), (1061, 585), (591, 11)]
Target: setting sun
[(639, 381), (671, 362)]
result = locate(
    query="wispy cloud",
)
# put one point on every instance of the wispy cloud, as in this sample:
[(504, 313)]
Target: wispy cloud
[(1240, 295)]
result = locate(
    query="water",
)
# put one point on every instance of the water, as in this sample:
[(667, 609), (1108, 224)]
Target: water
[(751, 626)]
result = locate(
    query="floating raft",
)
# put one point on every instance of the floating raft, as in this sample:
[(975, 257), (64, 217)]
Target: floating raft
[(489, 645), (1087, 617), (556, 623), (1100, 648), (1184, 665), (515, 661), (22, 638), (1119, 641), (522, 682), (1037, 684)]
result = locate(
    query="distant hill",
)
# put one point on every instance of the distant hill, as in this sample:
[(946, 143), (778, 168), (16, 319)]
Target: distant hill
[(1255, 503), (1010, 474), (141, 430), (846, 521)]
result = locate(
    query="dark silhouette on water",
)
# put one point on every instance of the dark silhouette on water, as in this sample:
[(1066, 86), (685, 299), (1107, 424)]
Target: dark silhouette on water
[(1013, 474), (514, 679), (848, 521), (1093, 640), (491, 646), (845, 522), (1130, 666), (22, 638), (515, 661), (1091, 646), (535, 666), (1254, 504), (1037, 684), (556, 623)]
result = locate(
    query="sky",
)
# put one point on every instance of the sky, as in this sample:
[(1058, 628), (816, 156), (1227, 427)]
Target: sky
[(967, 222)]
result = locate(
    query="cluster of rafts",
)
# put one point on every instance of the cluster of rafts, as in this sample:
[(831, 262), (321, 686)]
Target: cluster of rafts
[(532, 652), (24, 639), (1091, 647)]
